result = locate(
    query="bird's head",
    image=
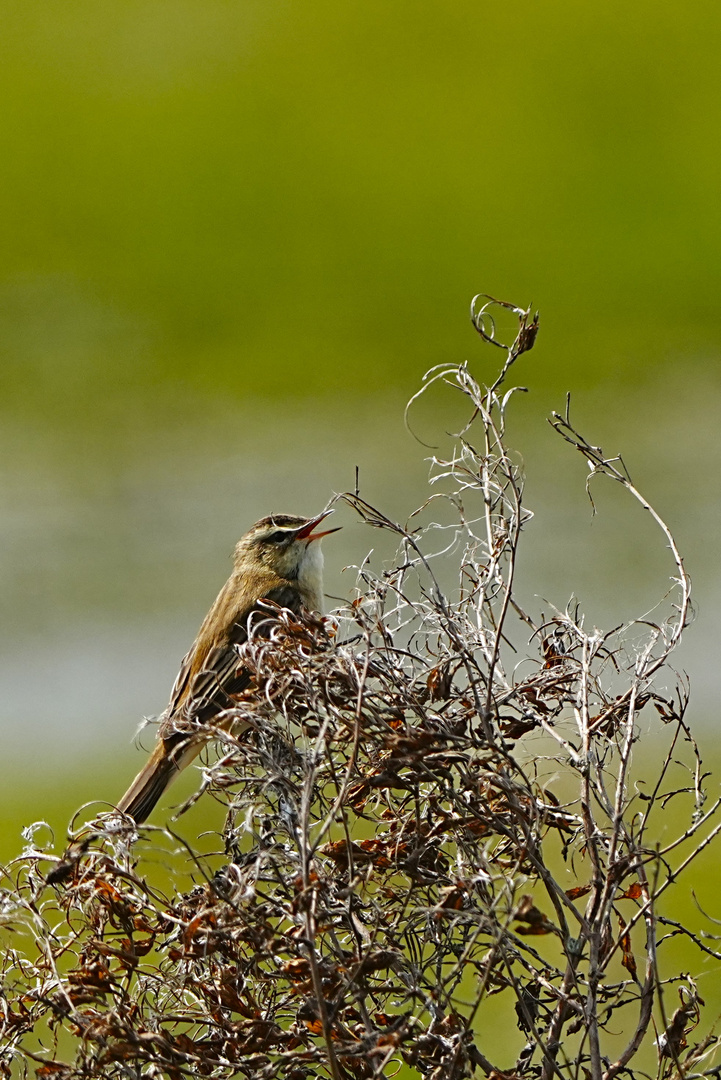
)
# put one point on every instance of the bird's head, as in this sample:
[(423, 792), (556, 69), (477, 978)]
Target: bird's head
[(284, 543)]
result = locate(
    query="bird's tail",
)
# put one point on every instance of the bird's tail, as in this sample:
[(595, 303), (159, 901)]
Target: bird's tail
[(150, 783), (137, 802)]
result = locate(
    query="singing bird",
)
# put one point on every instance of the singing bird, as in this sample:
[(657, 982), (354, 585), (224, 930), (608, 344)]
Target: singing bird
[(279, 559)]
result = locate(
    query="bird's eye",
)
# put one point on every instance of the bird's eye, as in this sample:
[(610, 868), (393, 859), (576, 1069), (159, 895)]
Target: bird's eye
[(278, 537)]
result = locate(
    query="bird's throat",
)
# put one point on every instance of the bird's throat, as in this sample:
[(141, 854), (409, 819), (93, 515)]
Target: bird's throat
[(310, 577)]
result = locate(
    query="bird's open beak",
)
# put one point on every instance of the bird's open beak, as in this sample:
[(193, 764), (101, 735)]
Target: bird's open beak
[(305, 532)]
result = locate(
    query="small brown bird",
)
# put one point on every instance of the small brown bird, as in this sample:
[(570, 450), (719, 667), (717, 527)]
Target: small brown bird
[(279, 559)]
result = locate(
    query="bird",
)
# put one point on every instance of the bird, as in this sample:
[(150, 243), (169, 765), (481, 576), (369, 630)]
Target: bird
[(278, 561)]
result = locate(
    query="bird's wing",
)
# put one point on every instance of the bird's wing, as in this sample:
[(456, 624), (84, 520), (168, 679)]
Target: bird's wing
[(200, 695), (210, 674), (181, 680), (194, 693)]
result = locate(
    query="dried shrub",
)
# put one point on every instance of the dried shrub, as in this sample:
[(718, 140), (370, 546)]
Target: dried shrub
[(394, 855)]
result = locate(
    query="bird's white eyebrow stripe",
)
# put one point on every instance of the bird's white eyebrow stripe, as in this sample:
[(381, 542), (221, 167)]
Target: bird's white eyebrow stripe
[(289, 529)]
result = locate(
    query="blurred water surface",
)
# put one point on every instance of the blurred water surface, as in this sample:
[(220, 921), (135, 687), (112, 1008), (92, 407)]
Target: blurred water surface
[(106, 576)]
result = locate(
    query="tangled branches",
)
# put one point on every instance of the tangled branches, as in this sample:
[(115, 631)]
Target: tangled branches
[(431, 806)]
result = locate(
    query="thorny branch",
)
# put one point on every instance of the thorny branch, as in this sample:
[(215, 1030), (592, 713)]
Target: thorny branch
[(420, 778)]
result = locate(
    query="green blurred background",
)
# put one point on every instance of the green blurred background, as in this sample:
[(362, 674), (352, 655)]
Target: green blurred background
[(235, 234)]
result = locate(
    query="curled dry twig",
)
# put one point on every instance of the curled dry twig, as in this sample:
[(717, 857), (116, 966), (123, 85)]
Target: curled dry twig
[(393, 857)]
